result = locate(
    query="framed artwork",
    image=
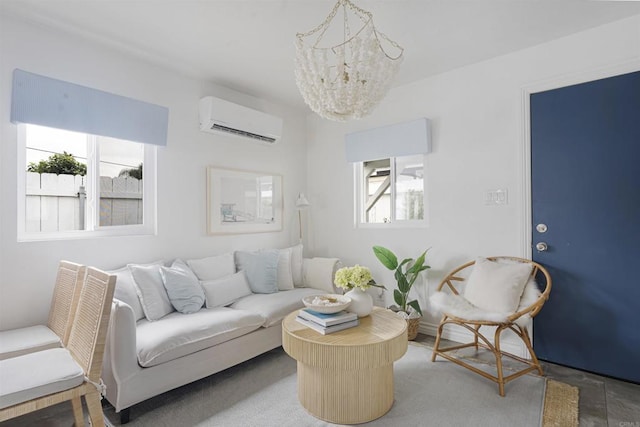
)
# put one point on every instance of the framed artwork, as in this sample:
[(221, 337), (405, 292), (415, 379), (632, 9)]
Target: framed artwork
[(243, 201)]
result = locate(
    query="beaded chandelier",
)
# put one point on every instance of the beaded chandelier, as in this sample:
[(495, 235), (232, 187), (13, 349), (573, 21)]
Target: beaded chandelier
[(345, 80)]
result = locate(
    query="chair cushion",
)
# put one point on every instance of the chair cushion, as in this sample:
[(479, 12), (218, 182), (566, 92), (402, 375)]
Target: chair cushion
[(225, 291), (458, 306), (37, 374), (177, 334), (274, 307), (495, 286), (183, 288), (530, 295), (17, 342)]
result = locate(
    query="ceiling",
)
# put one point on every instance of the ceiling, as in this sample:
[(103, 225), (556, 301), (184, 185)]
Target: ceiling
[(248, 45)]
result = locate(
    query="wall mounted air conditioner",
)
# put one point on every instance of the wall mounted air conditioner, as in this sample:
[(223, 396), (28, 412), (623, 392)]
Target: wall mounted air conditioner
[(220, 116)]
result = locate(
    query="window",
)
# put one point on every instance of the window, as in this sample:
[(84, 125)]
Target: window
[(391, 190), (81, 184), (73, 184), (389, 165)]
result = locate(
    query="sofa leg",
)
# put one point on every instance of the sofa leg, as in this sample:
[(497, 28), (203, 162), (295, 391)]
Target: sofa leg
[(124, 415)]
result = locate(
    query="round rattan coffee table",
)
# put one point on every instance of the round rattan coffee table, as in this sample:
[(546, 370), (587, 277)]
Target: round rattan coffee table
[(347, 377)]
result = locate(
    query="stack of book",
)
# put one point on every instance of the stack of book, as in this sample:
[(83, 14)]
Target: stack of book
[(327, 323)]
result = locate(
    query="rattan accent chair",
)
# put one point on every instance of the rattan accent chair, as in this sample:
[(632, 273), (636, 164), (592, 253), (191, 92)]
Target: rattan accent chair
[(457, 311), (45, 378), (17, 342)]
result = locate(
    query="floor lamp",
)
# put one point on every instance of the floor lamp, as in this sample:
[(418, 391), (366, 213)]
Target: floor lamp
[(301, 203)]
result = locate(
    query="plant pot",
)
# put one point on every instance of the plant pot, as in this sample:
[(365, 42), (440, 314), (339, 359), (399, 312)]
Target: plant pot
[(412, 328), (413, 323), (361, 302)]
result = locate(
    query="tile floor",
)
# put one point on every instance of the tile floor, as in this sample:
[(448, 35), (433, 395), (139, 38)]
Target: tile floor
[(604, 402)]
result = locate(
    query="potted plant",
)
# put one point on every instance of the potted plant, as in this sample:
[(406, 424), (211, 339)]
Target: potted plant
[(406, 273), (356, 280)]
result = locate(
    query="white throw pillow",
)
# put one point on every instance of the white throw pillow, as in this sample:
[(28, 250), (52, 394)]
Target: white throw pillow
[(319, 273), (213, 267), (261, 270), (296, 265), (126, 289), (153, 296), (183, 288), (225, 291), (285, 278), (495, 286)]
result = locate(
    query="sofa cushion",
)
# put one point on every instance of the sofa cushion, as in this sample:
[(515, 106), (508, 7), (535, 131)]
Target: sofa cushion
[(177, 335), (126, 289), (225, 291), (183, 287), (261, 269), (274, 307), (38, 374), (319, 273), (151, 291), (213, 267), (285, 277), (296, 265)]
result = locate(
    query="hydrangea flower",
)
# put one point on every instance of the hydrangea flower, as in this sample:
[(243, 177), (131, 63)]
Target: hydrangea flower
[(354, 277)]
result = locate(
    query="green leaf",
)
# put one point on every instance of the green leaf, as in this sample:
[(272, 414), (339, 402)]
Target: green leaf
[(398, 298), (418, 264), (375, 285), (403, 284), (405, 261), (416, 306), (386, 257)]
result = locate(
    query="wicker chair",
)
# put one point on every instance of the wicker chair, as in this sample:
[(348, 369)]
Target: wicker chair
[(45, 378), (55, 333), (458, 311)]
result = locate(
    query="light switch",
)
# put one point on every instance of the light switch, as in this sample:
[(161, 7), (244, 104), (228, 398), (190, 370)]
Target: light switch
[(496, 197)]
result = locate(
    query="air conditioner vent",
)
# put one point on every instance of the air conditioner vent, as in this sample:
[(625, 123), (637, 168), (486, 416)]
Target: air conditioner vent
[(219, 115), (243, 133)]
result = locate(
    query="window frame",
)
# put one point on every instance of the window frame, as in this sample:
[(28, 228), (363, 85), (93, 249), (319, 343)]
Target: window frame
[(360, 198), (93, 229)]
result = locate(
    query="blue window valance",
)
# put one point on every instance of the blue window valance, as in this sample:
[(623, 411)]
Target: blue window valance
[(403, 139), (58, 104)]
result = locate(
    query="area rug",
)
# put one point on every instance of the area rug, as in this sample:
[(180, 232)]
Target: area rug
[(262, 393), (560, 405)]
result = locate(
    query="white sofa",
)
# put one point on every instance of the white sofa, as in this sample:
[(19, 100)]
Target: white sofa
[(144, 358)]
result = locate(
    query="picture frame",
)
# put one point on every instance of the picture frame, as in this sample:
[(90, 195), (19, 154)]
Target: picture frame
[(242, 201)]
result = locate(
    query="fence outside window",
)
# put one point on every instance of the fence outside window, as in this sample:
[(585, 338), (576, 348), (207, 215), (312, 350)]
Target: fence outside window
[(57, 202)]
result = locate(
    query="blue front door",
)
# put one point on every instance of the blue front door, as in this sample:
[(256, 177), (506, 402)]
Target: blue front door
[(585, 154)]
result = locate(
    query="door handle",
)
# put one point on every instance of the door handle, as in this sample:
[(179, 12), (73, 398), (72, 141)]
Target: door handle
[(541, 228), (541, 246)]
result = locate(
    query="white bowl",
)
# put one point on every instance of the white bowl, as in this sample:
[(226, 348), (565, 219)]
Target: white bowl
[(334, 303)]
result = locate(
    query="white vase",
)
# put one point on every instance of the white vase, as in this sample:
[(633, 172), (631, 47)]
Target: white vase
[(361, 302)]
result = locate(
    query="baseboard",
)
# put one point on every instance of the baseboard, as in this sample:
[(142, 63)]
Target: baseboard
[(461, 335)]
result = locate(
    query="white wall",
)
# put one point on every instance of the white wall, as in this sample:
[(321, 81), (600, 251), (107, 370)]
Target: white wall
[(478, 133), (478, 144), (27, 269)]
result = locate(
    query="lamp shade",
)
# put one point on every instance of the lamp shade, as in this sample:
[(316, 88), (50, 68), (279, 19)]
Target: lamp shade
[(301, 201)]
